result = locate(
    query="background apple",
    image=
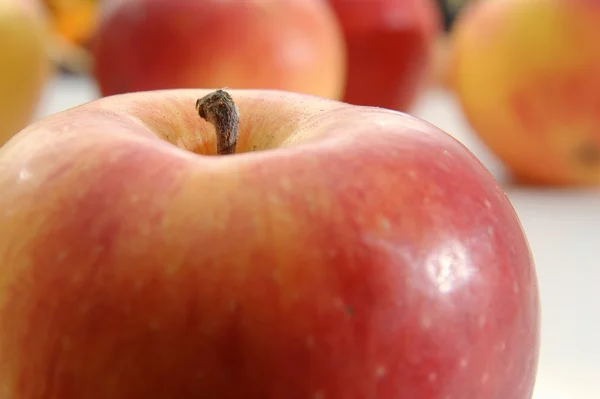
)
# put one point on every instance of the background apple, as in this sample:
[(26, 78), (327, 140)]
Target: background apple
[(278, 44), (73, 23), (73, 20), (527, 74), (389, 48), (24, 63), (343, 252)]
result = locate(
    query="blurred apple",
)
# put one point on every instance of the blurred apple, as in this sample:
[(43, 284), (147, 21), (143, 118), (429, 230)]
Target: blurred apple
[(277, 44), (527, 74), (73, 23), (341, 252), (389, 49), (24, 63), (74, 20)]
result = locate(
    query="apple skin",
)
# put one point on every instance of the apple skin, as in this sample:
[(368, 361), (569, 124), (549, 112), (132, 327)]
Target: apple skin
[(389, 46), (252, 44), (527, 75), (345, 252), (24, 63)]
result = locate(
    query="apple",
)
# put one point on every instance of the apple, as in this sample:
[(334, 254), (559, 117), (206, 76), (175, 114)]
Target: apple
[(527, 75), (73, 20), (24, 63), (328, 251), (72, 25), (272, 44), (389, 45)]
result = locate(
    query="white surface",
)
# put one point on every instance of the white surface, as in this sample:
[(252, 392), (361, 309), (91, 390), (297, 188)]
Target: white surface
[(563, 228)]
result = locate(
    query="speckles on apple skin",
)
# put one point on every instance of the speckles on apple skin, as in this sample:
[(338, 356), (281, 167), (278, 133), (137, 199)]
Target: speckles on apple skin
[(310, 341), (481, 321), (273, 199), (501, 346), (62, 255), (432, 377), (395, 228), (89, 223), (384, 223), (282, 270), (484, 378), (515, 287), (286, 183), (426, 322), (380, 371)]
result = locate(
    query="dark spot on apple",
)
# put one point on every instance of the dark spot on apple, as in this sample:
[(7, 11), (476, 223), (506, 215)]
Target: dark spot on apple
[(350, 310), (588, 154)]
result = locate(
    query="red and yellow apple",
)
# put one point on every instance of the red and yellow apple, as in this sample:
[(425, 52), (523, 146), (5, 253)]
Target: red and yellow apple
[(73, 20), (72, 23), (389, 45), (527, 74), (342, 252), (258, 44), (24, 63)]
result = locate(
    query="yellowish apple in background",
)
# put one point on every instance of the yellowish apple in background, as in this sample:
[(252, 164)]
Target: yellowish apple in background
[(527, 74), (24, 63)]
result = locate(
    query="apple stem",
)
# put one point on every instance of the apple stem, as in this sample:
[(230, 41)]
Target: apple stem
[(218, 109)]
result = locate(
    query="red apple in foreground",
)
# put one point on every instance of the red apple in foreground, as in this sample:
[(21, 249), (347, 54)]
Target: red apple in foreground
[(294, 45), (389, 45), (342, 252)]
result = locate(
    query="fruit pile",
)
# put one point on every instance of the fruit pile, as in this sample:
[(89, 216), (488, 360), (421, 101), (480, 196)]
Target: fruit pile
[(363, 52), (303, 242), (523, 72)]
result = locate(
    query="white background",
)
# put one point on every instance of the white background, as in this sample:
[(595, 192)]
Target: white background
[(563, 227)]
